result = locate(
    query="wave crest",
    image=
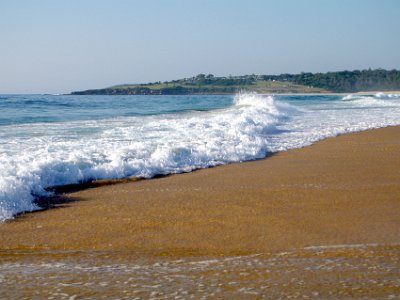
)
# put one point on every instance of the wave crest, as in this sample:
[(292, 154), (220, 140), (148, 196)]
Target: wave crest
[(70, 153), (377, 100)]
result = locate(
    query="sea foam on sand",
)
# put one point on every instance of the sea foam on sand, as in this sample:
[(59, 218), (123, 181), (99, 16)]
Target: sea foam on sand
[(34, 157)]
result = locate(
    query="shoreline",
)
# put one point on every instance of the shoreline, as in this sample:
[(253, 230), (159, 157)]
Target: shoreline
[(323, 194), (319, 222), (395, 92)]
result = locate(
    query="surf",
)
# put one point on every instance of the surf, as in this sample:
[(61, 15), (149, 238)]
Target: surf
[(75, 152)]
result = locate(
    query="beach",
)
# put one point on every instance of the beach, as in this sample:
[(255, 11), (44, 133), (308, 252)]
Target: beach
[(200, 150), (342, 190), (339, 195)]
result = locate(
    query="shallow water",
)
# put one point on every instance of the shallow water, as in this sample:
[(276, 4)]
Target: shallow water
[(339, 272)]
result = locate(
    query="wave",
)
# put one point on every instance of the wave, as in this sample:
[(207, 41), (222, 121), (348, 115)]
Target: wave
[(387, 96), (76, 152), (377, 100), (36, 157)]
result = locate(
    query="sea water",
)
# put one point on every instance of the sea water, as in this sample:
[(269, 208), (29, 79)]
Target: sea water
[(52, 140)]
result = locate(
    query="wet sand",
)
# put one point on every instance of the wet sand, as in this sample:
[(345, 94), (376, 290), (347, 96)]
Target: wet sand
[(342, 192), (357, 272)]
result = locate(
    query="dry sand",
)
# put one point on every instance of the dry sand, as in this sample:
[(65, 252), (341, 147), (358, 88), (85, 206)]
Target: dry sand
[(344, 190)]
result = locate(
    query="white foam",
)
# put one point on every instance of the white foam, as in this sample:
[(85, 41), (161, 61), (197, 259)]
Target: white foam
[(370, 101), (350, 97), (340, 246), (387, 96), (37, 156)]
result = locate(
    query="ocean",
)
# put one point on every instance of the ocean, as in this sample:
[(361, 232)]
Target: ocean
[(53, 140)]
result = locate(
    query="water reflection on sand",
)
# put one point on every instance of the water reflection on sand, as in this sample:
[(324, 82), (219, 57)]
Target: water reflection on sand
[(343, 271)]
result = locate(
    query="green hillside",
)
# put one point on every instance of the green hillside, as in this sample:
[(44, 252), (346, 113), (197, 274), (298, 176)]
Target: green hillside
[(345, 81), (202, 84)]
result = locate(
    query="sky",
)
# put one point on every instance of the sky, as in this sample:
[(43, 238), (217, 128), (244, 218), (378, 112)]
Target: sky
[(58, 46)]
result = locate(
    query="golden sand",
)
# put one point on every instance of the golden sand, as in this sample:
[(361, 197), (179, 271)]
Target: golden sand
[(322, 222), (344, 190)]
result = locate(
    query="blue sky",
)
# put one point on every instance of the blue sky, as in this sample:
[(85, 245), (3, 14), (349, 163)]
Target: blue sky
[(57, 46)]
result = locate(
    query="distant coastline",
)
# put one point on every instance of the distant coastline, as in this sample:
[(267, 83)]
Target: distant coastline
[(304, 83)]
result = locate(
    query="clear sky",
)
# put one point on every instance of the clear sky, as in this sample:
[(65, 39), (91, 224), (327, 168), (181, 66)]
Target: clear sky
[(57, 46)]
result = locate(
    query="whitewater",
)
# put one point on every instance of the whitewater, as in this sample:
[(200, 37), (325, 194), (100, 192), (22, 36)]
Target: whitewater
[(49, 140)]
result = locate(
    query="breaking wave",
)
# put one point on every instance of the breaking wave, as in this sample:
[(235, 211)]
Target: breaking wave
[(37, 156), (379, 99), (66, 153)]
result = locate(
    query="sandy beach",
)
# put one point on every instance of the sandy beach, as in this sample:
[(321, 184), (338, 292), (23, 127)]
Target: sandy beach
[(340, 193), (343, 190)]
